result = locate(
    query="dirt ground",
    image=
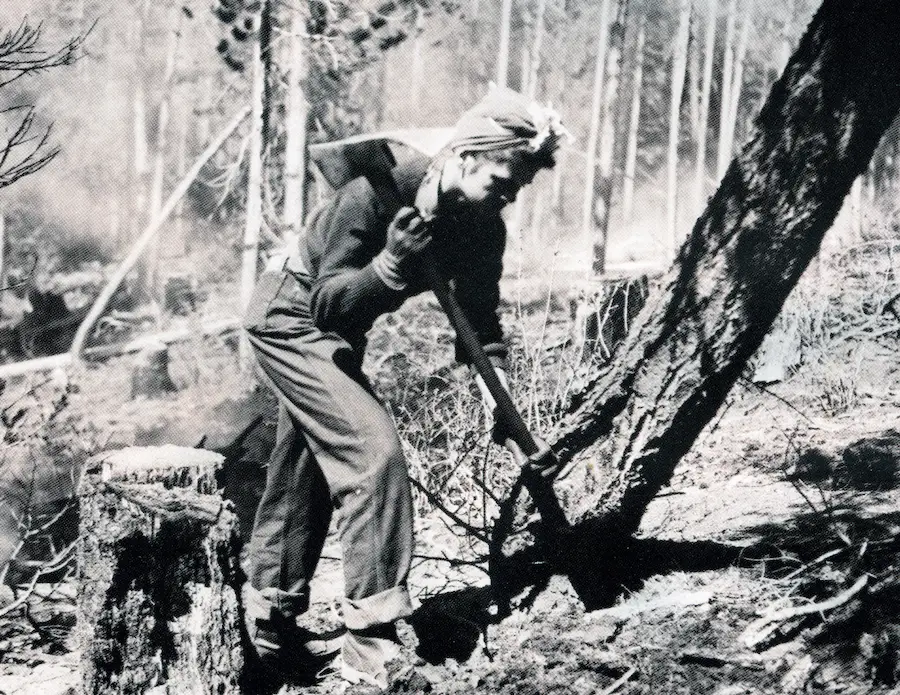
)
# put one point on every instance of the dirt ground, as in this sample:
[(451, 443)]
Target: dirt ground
[(767, 566)]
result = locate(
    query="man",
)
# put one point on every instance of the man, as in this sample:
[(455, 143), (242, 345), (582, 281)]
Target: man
[(336, 445)]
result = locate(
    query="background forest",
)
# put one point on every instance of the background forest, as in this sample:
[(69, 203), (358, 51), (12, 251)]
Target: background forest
[(657, 95)]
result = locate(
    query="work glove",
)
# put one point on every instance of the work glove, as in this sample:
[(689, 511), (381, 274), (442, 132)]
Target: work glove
[(407, 235)]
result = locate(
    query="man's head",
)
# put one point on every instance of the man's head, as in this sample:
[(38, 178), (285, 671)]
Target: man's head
[(499, 145)]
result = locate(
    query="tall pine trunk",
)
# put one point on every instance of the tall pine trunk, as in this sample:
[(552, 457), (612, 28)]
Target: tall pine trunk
[(295, 126), (162, 136), (611, 114), (815, 135), (737, 82), (503, 43), (253, 220), (679, 65), (724, 155), (633, 125), (709, 47), (590, 172)]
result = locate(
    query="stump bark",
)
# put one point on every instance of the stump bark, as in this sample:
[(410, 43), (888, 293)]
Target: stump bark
[(158, 576)]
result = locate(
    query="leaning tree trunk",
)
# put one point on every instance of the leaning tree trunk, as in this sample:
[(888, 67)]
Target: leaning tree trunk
[(815, 134)]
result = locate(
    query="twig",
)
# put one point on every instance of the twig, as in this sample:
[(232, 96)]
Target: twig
[(761, 629), (480, 534), (52, 565), (810, 565), (620, 682)]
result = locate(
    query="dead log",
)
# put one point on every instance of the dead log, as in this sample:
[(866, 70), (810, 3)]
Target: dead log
[(158, 575), (814, 136)]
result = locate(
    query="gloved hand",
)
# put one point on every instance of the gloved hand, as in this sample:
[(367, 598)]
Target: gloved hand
[(407, 235), (542, 464)]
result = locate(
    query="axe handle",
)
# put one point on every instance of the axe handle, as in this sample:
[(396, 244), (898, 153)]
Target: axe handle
[(506, 410)]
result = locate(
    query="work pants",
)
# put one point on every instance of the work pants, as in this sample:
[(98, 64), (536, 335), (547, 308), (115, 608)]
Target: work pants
[(336, 448)]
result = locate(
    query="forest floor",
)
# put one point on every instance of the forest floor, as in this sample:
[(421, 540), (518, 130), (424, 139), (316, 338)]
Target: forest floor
[(766, 566)]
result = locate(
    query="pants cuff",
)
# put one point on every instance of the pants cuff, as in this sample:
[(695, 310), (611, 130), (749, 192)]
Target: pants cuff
[(261, 604), (384, 607)]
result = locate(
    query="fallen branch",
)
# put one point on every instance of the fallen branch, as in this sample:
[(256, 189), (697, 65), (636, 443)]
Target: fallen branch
[(620, 682), (760, 630), (45, 364), (99, 305)]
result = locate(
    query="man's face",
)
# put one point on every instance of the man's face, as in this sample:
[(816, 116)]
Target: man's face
[(494, 181)]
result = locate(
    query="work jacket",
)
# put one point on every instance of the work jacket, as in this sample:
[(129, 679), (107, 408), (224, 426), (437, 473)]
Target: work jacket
[(347, 294)]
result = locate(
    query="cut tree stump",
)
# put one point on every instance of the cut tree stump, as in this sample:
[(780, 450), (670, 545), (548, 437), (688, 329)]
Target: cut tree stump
[(150, 374), (158, 575)]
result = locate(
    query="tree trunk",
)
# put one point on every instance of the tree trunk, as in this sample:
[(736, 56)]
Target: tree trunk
[(295, 126), (631, 152), (2, 247), (817, 131), (709, 47), (611, 127), (158, 575), (725, 95), (503, 44), (679, 65), (162, 133), (253, 220), (535, 63), (693, 73), (416, 69), (590, 172), (737, 82)]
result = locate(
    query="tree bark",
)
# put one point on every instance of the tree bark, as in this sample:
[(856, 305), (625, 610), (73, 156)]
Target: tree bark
[(158, 575), (709, 47), (814, 136), (631, 151), (679, 65)]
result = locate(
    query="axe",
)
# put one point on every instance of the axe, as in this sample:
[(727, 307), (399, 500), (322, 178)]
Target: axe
[(371, 156)]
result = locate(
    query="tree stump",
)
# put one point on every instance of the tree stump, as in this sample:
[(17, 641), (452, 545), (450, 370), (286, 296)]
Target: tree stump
[(158, 575), (150, 375)]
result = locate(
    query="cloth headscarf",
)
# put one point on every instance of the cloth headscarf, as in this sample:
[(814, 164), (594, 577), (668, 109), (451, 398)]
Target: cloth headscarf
[(505, 118)]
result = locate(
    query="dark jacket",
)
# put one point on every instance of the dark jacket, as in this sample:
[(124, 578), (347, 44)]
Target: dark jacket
[(347, 294)]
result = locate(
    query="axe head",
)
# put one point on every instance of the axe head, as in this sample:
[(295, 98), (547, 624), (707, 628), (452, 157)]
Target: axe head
[(370, 155)]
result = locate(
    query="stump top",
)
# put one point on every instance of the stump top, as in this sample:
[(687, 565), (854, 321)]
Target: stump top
[(147, 461)]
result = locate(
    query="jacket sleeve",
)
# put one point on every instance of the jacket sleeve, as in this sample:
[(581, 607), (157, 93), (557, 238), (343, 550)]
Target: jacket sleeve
[(348, 294), (477, 287)]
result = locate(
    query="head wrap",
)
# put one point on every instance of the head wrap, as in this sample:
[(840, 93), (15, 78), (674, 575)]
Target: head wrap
[(505, 119)]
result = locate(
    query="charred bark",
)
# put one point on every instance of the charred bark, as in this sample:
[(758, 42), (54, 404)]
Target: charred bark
[(158, 573), (815, 134)]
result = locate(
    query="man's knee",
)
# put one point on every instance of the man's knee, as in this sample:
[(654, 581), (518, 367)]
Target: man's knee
[(385, 453)]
